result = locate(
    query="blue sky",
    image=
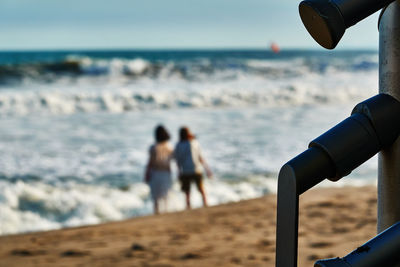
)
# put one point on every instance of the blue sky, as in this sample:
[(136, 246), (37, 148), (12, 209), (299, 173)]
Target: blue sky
[(163, 24)]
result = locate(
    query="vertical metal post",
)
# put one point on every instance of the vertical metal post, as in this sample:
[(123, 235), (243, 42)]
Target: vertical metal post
[(389, 83)]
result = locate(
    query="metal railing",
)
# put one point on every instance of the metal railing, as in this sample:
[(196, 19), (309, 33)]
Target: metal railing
[(373, 126)]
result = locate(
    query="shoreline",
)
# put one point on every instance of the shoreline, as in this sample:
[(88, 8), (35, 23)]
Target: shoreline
[(333, 222)]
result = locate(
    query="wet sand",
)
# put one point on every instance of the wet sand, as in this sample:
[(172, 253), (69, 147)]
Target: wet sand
[(333, 221)]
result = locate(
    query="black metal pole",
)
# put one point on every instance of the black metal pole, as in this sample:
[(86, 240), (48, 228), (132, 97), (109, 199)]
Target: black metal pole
[(296, 177), (332, 155), (327, 20), (354, 11), (383, 250)]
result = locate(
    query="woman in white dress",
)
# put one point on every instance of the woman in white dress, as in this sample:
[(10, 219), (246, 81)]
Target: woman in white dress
[(158, 170)]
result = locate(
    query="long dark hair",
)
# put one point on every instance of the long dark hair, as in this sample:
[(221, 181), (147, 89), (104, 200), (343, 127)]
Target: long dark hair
[(161, 134), (185, 134)]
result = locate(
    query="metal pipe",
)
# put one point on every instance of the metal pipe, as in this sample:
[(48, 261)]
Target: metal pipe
[(389, 83), (332, 155), (295, 177), (327, 20), (382, 250), (354, 11)]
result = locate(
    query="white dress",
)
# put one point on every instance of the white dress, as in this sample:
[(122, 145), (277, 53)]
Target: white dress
[(160, 183), (160, 173)]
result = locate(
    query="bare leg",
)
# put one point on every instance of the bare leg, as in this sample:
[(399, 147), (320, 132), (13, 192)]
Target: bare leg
[(203, 196), (156, 210), (187, 200), (166, 204)]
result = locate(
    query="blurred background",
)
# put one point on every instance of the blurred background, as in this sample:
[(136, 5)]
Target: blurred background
[(84, 83)]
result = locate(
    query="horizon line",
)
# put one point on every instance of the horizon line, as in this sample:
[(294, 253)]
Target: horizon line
[(155, 49)]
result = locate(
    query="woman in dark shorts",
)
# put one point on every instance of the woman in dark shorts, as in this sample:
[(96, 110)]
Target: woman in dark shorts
[(190, 164)]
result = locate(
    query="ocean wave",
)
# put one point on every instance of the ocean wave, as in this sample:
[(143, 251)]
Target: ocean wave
[(74, 67), (27, 207), (38, 206), (83, 84), (125, 100), (99, 95)]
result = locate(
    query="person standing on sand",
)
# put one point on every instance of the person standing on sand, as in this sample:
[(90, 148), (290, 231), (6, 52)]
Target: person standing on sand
[(190, 163), (158, 169)]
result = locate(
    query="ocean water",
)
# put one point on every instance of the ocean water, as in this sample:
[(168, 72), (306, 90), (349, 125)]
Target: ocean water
[(76, 125)]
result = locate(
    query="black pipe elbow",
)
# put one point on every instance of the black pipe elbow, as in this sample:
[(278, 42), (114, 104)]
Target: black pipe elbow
[(373, 125), (382, 250), (383, 111), (348, 144), (327, 20)]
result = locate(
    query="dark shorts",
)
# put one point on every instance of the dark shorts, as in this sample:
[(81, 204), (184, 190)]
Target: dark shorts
[(187, 179)]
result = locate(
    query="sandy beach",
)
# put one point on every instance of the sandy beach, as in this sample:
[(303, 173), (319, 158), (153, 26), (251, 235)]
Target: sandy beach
[(333, 221)]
